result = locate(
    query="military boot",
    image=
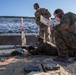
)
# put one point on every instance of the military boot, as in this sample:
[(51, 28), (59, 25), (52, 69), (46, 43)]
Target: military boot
[(40, 41), (62, 57)]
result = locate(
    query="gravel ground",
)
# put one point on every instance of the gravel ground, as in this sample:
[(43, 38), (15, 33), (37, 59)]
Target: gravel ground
[(70, 67)]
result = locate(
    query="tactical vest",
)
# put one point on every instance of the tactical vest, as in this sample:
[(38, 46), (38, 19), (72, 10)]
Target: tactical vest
[(44, 12)]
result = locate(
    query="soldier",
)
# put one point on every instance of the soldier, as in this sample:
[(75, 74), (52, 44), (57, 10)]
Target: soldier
[(65, 34), (43, 49), (44, 29)]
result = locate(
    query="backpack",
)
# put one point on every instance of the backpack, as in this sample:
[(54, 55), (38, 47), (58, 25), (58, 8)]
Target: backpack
[(72, 18), (72, 26)]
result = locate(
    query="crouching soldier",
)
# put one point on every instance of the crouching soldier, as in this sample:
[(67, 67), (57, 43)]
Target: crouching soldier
[(65, 34)]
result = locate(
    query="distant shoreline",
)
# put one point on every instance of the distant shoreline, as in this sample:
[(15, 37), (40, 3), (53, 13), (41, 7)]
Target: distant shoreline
[(17, 34)]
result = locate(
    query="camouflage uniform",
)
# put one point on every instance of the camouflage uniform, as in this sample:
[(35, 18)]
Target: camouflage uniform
[(44, 49), (44, 29), (65, 35)]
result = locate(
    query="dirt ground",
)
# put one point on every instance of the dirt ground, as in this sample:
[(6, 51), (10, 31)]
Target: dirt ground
[(18, 63)]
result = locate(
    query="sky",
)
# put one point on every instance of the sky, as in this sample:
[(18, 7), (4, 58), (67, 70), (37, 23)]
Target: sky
[(25, 7)]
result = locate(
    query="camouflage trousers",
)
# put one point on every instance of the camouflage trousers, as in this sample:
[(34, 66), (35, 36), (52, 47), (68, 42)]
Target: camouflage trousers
[(65, 42), (45, 33)]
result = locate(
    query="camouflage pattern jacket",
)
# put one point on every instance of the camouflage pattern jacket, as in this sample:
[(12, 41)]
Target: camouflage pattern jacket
[(66, 32), (44, 12), (68, 23)]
